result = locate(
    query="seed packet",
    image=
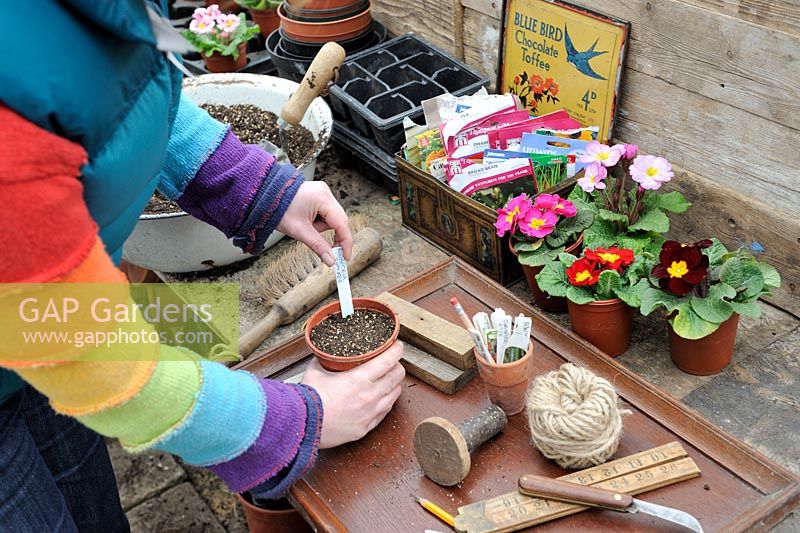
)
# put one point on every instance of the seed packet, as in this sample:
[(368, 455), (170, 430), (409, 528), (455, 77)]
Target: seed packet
[(478, 113), (583, 134), (483, 136), (548, 170), (494, 183), (510, 138), (548, 144)]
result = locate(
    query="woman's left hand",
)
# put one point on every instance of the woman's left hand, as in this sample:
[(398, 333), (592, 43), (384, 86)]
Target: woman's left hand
[(312, 211)]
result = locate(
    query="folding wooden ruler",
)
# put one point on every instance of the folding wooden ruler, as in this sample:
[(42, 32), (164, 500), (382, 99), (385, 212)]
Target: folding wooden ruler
[(635, 474)]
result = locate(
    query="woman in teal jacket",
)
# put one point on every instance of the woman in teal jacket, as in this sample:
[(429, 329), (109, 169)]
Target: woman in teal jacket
[(91, 122)]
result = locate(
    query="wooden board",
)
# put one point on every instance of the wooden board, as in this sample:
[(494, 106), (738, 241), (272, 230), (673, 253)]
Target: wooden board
[(435, 25), (435, 372), (370, 485), (447, 341)]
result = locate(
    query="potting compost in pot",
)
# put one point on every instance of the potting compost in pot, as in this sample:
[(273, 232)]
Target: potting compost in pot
[(360, 333)]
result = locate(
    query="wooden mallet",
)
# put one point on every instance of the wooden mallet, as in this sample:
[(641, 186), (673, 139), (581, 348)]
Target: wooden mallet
[(443, 449)]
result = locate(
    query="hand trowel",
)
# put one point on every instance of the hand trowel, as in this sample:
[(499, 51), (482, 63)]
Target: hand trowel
[(320, 73)]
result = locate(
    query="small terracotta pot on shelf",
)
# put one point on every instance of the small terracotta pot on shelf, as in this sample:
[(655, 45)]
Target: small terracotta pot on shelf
[(336, 363), (317, 5), (551, 304), (706, 356), (605, 323), (281, 518), (267, 20), (507, 384), (218, 63), (226, 6), (320, 32)]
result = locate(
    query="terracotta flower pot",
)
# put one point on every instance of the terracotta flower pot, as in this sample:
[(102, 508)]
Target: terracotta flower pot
[(551, 304), (606, 324), (336, 363), (226, 6), (320, 32), (507, 384), (220, 63), (282, 519), (322, 15), (321, 4), (706, 356), (267, 20)]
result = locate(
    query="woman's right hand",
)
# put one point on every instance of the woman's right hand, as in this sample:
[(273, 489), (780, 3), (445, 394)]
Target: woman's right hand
[(355, 401)]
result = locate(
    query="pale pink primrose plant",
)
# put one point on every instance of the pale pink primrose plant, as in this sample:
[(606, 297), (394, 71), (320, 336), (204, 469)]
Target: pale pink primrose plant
[(651, 172), (608, 156), (228, 23), (593, 177), (213, 32)]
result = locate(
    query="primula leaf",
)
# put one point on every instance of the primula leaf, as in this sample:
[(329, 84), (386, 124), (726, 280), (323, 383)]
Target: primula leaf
[(771, 277), (566, 259), (749, 309), (632, 294), (641, 243), (558, 237), (579, 295), (689, 325), (716, 252), (528, 246), (674, 201), (753, 284), (713, 308), (539, 257), (607, 282), (553, 279), (731, 272), (652, 220), (611, 216), (600, 233), (653, 298)]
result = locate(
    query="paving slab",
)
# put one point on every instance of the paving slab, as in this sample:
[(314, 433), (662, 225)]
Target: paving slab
[(220, 500), (143, 475), (758, 400), (179, 509)]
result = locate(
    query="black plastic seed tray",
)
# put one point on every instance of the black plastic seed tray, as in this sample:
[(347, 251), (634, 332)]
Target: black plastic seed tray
[(377, 88), (356, 151)]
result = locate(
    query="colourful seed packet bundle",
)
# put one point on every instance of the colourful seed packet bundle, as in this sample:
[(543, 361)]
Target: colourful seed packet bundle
[(492, 183)]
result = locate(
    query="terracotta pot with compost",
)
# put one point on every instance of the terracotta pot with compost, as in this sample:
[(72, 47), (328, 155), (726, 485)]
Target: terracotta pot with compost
[(341, 343)]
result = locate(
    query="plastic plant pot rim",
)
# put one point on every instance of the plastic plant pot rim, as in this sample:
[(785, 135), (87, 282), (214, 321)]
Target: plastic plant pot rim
[(316, 27), (358, 303), (325, 15)]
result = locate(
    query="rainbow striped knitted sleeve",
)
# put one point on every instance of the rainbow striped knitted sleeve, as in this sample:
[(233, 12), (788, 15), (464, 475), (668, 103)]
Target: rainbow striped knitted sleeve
[(239, 189), (256, 434)]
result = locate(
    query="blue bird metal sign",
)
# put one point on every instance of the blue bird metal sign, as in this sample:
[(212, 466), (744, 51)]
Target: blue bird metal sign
[(556, 55), (581, 59)]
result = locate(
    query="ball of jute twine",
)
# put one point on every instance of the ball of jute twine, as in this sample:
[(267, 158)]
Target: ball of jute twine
[(574, 418)]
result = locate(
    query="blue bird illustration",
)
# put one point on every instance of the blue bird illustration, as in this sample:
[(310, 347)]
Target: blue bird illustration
[(581, 59)]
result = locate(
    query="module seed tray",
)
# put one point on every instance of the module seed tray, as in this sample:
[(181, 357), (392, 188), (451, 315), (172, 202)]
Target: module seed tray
[(377, 88), (358, 152)]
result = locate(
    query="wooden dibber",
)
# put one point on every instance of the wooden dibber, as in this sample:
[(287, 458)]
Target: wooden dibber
[(443, 449), (321, 282)]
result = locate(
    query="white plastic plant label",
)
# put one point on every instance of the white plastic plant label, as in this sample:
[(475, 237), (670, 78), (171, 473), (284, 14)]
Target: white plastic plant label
[(342, 282)]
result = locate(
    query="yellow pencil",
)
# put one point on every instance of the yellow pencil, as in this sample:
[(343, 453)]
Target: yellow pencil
[(437, 511)]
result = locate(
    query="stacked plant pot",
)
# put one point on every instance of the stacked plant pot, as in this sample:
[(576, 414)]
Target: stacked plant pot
[(306, 25)]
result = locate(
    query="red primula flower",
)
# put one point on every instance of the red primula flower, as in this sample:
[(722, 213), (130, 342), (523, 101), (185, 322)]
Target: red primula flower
[(681, 267), (583, 272), (614, 257)]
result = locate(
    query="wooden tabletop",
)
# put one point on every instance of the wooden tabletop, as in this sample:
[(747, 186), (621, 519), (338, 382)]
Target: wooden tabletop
[(371, 485)]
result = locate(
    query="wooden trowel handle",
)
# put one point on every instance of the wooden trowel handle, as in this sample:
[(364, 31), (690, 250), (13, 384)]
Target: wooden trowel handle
[(553, 489), (322, 70), (321, 282)]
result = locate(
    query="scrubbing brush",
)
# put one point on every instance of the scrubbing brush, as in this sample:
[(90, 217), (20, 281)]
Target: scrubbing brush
[(299, 280)]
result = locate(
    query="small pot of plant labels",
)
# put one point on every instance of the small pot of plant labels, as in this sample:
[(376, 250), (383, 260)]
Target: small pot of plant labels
[(219, 63), (605, 323), (707, 355), (274, 516), (343, 343), (507, 383)]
